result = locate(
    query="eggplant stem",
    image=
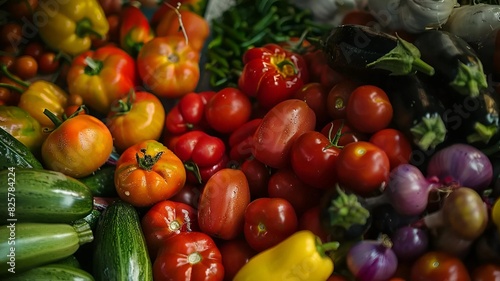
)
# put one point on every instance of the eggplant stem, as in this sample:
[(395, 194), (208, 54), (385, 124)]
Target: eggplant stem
[(429, 132), (346, 210), (482, 133), (469, 79)]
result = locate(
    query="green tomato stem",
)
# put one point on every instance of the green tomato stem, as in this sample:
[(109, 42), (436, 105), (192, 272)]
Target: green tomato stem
[(147, 161)]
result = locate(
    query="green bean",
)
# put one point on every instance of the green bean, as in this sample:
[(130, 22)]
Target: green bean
[(266, 20), (230, 31), (255, 39), (214, 56), (233, 46), (214, 43)]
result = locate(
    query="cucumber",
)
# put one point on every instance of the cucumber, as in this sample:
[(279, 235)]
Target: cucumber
[(38, 195), (15, 153), (52, 272), (24, 246), (120, 251), (102, 182)]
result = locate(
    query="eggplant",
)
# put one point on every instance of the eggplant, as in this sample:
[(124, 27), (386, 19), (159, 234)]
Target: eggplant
[(417, 111), (454, 60), (360, 50)]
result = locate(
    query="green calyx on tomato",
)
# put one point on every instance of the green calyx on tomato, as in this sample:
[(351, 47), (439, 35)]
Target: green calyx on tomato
[(121, 107), (57, 122), (93, 67), (345, 211), (147, 161)]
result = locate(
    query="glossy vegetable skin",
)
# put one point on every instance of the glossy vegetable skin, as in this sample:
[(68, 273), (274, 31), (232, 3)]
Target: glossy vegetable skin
[(135, 29), (21, 125), (15, 153)]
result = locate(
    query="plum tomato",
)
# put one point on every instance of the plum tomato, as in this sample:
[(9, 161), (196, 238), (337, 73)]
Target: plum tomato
[(369, 109), (439, 266), (395, 144), (228, 110), (362, 168)]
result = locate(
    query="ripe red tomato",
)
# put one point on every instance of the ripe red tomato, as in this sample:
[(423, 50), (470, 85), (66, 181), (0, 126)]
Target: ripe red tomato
[(48, 62), (368, 109), (222, 204), (362, 167), (486, 272), (268, 221), (235, 253), (314, 94), (439, 266), (258, 176), (26, 67), (310, 220), (228, 110), (347, 134), (337, 97), (279, 128), (395, 144)]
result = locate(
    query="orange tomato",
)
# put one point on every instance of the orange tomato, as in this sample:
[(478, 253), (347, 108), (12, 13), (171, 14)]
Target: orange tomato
[(147, 173)]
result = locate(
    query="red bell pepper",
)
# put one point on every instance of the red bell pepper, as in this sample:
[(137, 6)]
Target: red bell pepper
[(188, 114), (135, 29), (202, 154), (272, 74), (102, 76), (165, 219), (189, 256)]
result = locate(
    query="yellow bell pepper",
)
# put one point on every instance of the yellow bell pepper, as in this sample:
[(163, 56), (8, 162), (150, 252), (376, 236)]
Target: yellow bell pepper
[(68, 25), (300, 257)]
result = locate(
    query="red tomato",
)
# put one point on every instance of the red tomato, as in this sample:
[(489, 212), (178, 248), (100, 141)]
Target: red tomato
[(438, 266), (258, 176), (240, 140), (279, 128), (347, 134), (314, 94), (228, 110), (337, 97), (235, 253), (486, 272), (268, 221), (313, 158), (222, 204), (336, 277), (362, 167), (310, 220), (48, 62), (368, 109), (319, 69), (395, 144), (285, 184), (189, 194)]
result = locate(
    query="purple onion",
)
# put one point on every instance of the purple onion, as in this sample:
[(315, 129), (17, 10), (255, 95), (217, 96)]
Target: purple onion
[(372, 260), (461, 164), (408, 243)]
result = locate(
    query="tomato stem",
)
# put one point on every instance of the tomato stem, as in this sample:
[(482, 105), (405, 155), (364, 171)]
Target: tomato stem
[(123, 107), (147, 161), (11, 87), (57, 122), (12, 77)]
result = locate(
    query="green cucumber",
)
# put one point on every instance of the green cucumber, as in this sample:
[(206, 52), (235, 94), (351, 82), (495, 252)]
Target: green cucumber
[(102, 182), (69, 261), (15, 153), (120, 251), (37, 195), (24, 246), (52, 272)]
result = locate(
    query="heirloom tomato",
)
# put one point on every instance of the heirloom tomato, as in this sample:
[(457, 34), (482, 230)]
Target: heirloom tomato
[(165, 219), (169, 66), (362, 168), (268, 221), (147, 173), (137, 117), (279, 128), (77, 146), (228, 110), (222, 204), (439, 266)]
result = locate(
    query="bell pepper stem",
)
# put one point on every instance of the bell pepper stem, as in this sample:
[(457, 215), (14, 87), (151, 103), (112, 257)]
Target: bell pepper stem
[(84, 28), (57, 122), (192, 167), (11, 87), (93, 67), (323, 248), (147, 161), (13, 77)]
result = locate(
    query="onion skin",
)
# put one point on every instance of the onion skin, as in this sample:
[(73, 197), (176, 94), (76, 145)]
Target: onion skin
[(372, 260), (408, 243), (461, 164)]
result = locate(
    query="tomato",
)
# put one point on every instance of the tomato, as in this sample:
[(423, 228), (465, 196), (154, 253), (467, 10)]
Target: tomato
[(368, 109), (336, 277), (222, 204), (438, 266), (337, 97), (319, 69), (189, 194), (228, 110), (347, 134), (268, 221), (235, 253), (21, 9), (240, 140), (48, 63), (11, 34), (34, 49), (285, 184), (147, 173), (310, 220), (315, 94), (362, 167), (258, 176), (486, 272), (395, 144), (188, 113), (137, 117), (164, 220), (78, 146), (26, 67), (279, 128)]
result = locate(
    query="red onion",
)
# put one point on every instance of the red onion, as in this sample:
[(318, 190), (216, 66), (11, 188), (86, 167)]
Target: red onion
[(461, 164), (407, 191), (372, 260), (408, 243)]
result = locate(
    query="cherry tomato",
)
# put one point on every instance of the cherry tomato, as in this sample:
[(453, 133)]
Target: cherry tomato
[(34, 49), (258, 176), (439, 266), (7, 60), (228, 110), (48, 63), (395, 144), (368, 109), (21, 9), (235, 253), (347, 134), (222, 204), (362, 167), (26, 67), (486, 272), (279, 128), (337, 97), (315, 94), (11, 34), (268, 221)]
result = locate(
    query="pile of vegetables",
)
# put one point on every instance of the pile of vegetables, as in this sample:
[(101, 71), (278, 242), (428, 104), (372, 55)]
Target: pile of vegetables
[(338, 140)]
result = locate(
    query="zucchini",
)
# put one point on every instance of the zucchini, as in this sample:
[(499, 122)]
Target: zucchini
[(25, 246), (52, 272), (15, 153), (363, 51), (120, 251), (102, 182), (455, 62), (44, 196)]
